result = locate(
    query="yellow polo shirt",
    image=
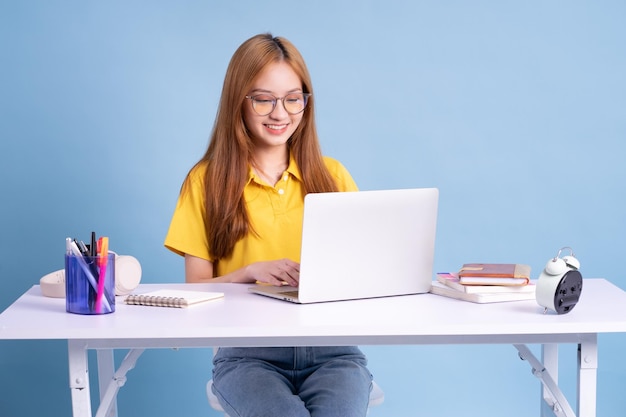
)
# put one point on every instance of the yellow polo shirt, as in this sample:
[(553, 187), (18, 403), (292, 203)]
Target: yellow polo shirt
[(275, 214)]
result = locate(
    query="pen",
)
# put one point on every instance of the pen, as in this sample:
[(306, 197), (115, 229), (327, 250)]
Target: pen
[(93, 250), (103, 253), (87, 254), (80, 245)]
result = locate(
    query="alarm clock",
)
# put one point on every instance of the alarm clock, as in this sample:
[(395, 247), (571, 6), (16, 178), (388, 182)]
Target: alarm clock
[(560, 284)]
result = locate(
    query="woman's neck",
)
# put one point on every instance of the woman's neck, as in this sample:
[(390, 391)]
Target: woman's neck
[(271, 165)]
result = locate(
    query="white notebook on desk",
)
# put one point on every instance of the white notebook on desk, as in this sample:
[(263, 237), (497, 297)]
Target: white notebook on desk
[(172, 298), (364, 244)]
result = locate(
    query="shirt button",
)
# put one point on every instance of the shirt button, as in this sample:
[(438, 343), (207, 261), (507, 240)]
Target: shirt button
[(285, 177), (281, 191)]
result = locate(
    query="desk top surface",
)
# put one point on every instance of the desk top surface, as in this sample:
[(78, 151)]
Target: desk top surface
[(245, 319)]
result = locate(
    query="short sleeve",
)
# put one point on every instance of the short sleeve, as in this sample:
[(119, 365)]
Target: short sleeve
[(187, 231), (342, 177)]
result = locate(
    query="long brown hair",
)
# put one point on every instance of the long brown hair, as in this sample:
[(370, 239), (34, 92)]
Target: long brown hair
[(230, 149)]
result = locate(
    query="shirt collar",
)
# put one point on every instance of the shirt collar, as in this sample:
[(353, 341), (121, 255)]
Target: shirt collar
[(292, 169)]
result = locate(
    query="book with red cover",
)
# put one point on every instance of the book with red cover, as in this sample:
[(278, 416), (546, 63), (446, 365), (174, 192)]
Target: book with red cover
[(494, 274)]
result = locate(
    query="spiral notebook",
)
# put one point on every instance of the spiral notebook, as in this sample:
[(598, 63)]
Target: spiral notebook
[(172, 298)]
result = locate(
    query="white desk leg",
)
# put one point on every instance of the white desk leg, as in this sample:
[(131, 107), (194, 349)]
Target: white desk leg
[(550, 360), (106, 371), (587, 375), (79, 378), (109, 396), (555, 398)]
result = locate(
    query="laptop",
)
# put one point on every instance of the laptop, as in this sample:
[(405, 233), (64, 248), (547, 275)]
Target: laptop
[(364, 244)]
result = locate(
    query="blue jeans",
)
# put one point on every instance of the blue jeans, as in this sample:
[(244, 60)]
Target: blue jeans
[(292, 381)]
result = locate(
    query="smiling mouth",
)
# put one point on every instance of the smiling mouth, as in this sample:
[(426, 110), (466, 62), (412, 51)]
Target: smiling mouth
[(276, 127)]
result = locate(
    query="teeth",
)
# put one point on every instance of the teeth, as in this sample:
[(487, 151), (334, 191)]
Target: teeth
[(276, 127)]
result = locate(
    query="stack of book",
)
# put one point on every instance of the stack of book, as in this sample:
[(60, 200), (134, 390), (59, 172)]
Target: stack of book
[(486, 283)]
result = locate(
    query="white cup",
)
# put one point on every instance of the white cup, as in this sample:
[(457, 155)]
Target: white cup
[(127, 278)]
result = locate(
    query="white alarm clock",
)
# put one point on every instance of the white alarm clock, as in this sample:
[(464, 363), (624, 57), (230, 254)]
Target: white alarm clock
[(560, 284)]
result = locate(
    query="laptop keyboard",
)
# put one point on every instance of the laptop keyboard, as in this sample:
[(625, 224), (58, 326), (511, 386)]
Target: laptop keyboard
[(290, 293)]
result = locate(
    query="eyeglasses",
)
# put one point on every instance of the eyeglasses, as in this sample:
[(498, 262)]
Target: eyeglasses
[(264, 104)]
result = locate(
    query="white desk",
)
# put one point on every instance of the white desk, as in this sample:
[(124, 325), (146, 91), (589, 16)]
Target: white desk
[(243, 319)]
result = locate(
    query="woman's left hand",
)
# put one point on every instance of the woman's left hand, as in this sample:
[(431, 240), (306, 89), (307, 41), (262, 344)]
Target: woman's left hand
[(279, 272)]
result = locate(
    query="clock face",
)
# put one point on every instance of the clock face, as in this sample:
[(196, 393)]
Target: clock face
[(568, 292)]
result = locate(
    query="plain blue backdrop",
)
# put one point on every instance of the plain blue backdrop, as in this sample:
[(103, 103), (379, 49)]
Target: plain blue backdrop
[(516, 111)]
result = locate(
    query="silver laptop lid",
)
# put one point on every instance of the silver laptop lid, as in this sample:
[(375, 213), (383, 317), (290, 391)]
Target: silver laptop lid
[(367, 244)]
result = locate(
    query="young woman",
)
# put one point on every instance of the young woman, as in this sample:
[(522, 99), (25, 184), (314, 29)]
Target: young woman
[(239, 219)]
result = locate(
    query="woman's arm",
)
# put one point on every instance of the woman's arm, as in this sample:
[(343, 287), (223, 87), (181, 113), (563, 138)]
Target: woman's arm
[(278, 272)]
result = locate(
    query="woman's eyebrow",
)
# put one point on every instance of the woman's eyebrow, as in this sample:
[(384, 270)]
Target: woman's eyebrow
[(261, 90)]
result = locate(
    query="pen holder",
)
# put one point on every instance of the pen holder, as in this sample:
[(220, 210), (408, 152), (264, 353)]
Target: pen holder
[(89, 284)]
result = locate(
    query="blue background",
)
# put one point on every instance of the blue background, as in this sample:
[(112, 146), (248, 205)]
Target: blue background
[(516, 111)]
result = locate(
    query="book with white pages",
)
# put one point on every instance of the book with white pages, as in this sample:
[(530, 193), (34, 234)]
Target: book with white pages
[(452, 280), (438, 288)]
